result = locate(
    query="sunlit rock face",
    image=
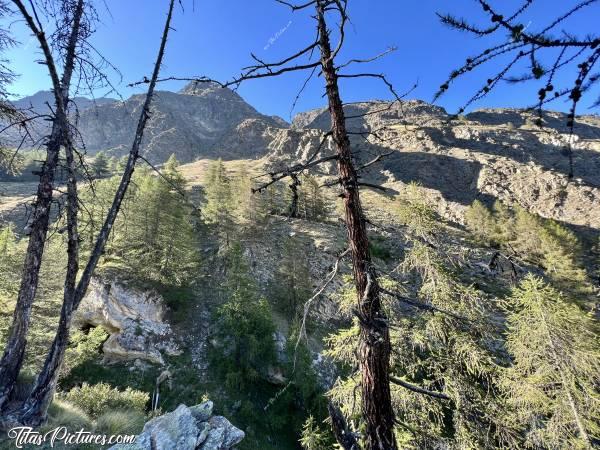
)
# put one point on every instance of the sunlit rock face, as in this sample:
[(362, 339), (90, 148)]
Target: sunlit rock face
[(193, 428), (134, 319)]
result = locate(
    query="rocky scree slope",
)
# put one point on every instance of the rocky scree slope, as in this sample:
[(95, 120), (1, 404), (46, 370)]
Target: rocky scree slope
[(486, 155)]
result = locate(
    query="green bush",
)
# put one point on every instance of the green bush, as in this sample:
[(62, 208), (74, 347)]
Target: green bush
[(62, 413), (121, 421), (100, 398)]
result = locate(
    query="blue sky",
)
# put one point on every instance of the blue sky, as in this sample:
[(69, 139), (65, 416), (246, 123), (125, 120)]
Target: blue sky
[(215, 38)]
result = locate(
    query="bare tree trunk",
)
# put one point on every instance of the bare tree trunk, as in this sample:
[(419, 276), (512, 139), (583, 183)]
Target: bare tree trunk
[(36, 405), (12, 359), (374, 346), (294, 188), (34, 409)]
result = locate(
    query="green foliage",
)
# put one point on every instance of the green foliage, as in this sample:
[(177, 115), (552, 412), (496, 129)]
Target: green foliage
[(153, 238), (552, 385), (291, 284), (312, 205), (100, 398), (100, 166), (245, 332), (435, 351), (481, 222), (540, 241), (120, 421), (62, 413), (313, 437), (379, 249), (219, 199), (83, 347), (46, 309)]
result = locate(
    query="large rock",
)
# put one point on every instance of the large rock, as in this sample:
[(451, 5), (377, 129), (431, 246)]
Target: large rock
[(193, 428), (134, 319)]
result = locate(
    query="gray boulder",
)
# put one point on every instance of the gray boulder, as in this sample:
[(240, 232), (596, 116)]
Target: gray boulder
[(193, 428)]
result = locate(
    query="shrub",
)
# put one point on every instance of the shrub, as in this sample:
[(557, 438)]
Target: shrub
[(121, 421), (100, 398), (62, 413)]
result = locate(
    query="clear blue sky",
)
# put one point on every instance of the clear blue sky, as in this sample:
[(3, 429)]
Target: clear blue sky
[(215, 38)]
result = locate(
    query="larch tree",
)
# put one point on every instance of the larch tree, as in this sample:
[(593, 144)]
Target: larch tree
[(374, 349), (33, 410), (544, 50), (552, 385)]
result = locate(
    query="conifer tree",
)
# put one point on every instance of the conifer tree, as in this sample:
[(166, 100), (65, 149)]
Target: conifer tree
[(292, 278), (245, 333), (313, 437), (552, 385), (101, 165), (443, 368), (219, 200)]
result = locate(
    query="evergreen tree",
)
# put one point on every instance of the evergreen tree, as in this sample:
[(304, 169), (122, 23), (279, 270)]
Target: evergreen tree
[(312, 204), (250, 209), (245, 333), (219, 199), (313, 437), (480, 222), (100, 166), (153, 237), (552, 385), (444, 369), (291, 282), (534, 239)]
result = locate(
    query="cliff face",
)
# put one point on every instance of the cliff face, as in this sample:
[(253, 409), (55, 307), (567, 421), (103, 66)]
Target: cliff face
[(488, 154)]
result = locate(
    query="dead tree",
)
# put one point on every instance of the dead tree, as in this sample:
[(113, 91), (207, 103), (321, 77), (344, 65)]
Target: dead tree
[(374, 347), (33, 411), (543, 54), (12, 359), (294, 201), (374, 351)]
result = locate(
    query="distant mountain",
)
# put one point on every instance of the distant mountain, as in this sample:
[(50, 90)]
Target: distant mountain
[(41, 100), (487, 154), (202, 120)]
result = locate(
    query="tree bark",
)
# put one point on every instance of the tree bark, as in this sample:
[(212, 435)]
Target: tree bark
[(12, 359), (374, 344), (33, 411), (294, 202)]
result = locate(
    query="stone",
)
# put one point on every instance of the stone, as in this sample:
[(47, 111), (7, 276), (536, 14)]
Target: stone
[(192, 428), (133, 318)]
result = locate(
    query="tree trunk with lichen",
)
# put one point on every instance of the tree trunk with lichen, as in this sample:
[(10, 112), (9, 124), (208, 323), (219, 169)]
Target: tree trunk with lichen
[(374, 344), (33, 411), (14, 353)]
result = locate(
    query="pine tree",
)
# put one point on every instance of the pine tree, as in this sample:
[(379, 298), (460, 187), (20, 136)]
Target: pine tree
[(153, 237), (291, 282), (312, 204), (245, 334), (313, 437), (552, 385), (249, 206), (480, 222), (443, 367), (100, 166), (219, 200)]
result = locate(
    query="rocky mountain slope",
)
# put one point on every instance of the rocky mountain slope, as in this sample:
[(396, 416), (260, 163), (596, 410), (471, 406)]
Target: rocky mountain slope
[(485, 155), (201, 120)]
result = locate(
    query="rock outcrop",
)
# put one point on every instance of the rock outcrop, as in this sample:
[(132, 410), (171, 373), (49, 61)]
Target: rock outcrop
[(193, 428), (488, 154), (134, 319)]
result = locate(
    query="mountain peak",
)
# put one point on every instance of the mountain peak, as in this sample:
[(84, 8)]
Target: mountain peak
[(201, 87)]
